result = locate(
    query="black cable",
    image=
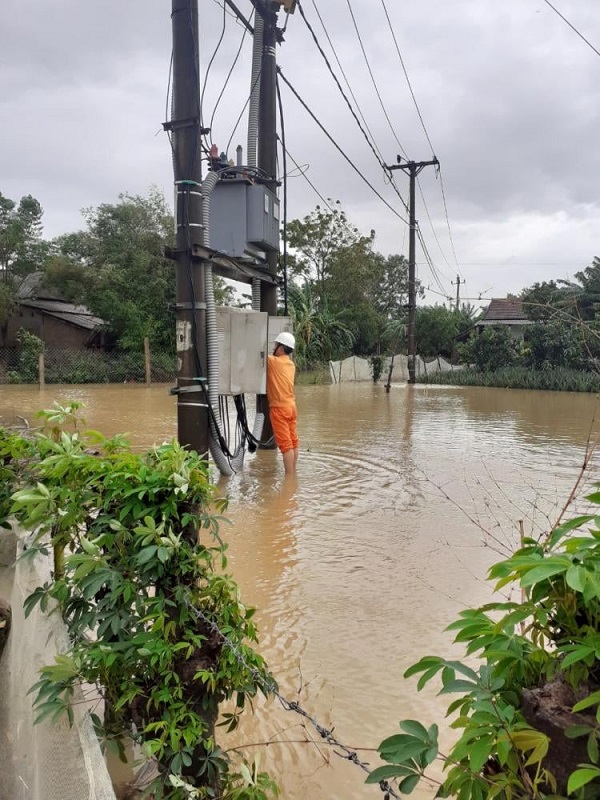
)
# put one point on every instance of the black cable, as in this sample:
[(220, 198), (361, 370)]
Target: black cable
[(235, 60), (373, 147), (210, 63), (285, 197), (339, 149), (362, 116), (235, 127), (356, 28), (573, 28)]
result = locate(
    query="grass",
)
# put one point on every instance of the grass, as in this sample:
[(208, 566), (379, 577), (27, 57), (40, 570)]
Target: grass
[(559, 379), (311, 377)]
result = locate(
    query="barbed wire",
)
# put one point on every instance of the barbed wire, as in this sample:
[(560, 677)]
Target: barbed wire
[(268, 684)]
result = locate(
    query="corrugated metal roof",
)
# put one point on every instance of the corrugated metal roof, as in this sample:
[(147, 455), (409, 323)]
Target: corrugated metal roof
[(504, 310), (67, 312)]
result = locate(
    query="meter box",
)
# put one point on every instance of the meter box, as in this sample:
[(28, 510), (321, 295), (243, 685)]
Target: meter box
[(242, 338), (244, 218)]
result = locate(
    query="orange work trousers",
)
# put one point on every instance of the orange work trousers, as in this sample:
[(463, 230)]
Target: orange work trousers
[(283, 422)]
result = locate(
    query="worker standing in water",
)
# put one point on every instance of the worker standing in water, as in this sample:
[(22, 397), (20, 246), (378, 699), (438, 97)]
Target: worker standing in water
[(281, 372)]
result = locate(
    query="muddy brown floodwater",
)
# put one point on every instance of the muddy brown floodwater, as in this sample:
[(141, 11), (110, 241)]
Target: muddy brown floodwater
[(402, 501)]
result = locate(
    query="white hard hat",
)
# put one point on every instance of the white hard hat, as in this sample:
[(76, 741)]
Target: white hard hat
[(286, 339)]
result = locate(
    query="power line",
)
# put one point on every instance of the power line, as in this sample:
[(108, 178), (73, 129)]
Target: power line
[(222, 92), (210, 63), (406, 75), (339, 149), (375, 151), (573, 28), (427, 137), (374, 81)]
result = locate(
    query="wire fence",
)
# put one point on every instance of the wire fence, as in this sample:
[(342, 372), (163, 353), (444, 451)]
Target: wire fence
[(54, 365)]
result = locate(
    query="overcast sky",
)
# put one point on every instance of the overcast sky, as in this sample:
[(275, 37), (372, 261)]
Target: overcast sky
[(509, 94)]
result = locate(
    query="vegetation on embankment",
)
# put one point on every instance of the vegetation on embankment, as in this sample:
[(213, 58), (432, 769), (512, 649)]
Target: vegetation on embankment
[(559, 379)]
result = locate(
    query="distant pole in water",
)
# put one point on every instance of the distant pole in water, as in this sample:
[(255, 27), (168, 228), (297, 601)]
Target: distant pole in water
[(185, 137), (412, 169)]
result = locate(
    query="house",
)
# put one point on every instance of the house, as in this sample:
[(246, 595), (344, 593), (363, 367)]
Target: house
[(505, 311), (57, 323)]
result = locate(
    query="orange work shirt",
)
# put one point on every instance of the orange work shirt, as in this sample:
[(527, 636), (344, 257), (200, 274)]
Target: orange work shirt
[(281, 372)]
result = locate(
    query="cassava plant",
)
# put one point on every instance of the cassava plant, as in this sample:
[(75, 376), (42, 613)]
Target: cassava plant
[(528, 715), (156, 625)]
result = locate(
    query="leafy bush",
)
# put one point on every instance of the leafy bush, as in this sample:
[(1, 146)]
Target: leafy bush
[(154, 621), (559, 379), (529, 714)]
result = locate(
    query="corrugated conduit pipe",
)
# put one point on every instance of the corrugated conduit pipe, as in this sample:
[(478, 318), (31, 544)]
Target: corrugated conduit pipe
[(212, 340)]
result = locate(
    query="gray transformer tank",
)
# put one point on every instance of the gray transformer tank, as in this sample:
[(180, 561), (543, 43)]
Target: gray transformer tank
[(244, 219)]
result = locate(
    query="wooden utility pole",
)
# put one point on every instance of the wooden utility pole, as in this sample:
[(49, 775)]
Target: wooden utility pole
[(412, 168), (185, 136)]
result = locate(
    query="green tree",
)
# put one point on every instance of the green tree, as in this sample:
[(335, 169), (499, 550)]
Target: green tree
[(318, 239), (438, 329), (494, 348), (541, 300), (321, 336), (21, 246), (582, 296), (125, 277)]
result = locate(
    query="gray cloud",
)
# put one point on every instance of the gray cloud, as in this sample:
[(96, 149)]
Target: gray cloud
[(508, 92)]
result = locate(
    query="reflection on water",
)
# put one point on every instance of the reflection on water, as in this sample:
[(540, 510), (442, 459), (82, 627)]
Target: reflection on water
[(401, 502)]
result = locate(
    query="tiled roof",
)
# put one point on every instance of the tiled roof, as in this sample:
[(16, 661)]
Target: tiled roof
[(503, 310), (67, 312)]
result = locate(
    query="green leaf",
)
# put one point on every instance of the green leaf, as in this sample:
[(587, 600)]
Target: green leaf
[(415, 729), (591, 700), (544, 571), (581, 777), (386, 772), (576, 577), (408, 784)]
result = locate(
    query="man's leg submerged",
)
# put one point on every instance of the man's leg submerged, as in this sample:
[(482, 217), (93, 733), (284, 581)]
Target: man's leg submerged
[(289, 461)]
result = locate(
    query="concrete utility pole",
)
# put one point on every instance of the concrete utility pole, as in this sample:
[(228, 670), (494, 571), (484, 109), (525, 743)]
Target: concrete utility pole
[(267, 132), (267, 158), (458, 283), (185, 133), (412, 168)]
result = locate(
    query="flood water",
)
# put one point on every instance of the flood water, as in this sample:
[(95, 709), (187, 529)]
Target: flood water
[(402, 501)]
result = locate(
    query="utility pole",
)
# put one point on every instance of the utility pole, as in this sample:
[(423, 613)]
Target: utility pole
[(267, 156), (412, 168), (267, 132), (185, 134), (458, 283)]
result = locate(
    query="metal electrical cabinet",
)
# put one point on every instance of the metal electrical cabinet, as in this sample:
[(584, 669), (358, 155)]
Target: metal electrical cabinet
[(242, 350), (244, 218), (245, 338)]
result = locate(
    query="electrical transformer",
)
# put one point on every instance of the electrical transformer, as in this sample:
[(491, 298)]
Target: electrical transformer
[(244, 218)]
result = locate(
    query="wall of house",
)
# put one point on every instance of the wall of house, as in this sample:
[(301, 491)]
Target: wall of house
[(53, 332)]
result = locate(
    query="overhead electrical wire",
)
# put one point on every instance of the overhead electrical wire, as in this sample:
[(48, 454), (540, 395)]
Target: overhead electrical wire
[(225, 84), (433, 269), (573, 28), (339, 149), (210, 63), (425, 131), (372, 146), (376, 87), (348, 84), (406, 76)]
